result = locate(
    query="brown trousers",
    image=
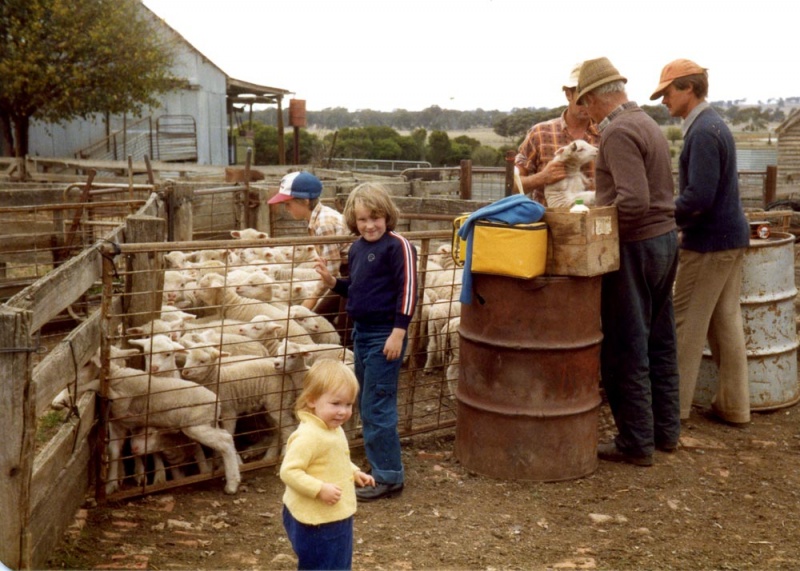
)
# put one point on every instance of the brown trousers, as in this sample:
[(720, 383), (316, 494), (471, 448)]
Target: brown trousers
[(707, 308)]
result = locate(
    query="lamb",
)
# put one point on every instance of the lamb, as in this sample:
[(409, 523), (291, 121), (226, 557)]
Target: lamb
[(304, 256), (170, 445), (312, 352), (174, 314), (230, 342), (257, 285), (565, 192), (159, 354), (444, 256), (172, 329), (249, 234), (302, 283), (266, 256), (245, 384), (320, 329), (174, 286), (439, 314), (213, 323), (452, 354), (140, 400), (441, 283), (177, 259), (171, 322), (266, 331), (232, 305)]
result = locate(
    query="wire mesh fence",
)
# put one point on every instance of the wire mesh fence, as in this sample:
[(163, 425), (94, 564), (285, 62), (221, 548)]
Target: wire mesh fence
[(220, 326)]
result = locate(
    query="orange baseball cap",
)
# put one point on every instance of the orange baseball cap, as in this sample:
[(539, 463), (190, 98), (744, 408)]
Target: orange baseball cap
[(675, 70)]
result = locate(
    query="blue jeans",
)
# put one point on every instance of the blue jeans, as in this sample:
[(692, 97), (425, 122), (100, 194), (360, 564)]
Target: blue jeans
[(638, 359), (324, 546), (378, 380)]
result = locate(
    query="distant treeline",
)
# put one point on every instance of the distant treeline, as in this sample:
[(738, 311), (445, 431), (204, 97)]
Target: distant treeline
[(367, 134), (512, 124)]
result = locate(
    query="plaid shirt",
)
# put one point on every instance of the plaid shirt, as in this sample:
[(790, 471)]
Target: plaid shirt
[(541, 144), (325, 221)]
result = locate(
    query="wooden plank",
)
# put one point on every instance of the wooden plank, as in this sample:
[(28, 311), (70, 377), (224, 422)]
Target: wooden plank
[(104, 165), (33, 197), (59, 367), (18, 427), (27, 242), (56, 512), (61, 448), (50, 295)]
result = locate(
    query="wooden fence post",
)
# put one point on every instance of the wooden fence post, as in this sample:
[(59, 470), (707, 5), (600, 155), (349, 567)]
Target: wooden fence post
[(178, 201), (770, 185), (18, 427), (262, 210), (510, 155), (145, 283), (466, 179)]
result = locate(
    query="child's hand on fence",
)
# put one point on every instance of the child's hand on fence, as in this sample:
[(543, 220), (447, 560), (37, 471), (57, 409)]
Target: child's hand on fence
[(321, 266)]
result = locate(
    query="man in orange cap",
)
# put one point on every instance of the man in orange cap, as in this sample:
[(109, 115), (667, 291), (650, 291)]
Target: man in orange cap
[(535, 155), (638, 359), (714, 236)]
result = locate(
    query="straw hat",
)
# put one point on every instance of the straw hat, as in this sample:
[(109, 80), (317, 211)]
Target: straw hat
[(675, 70), (597, 72)]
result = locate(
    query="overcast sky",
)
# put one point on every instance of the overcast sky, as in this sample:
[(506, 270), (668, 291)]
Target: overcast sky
[(489, 54)]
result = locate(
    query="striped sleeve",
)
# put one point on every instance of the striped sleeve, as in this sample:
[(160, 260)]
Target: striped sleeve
[(406, 275)]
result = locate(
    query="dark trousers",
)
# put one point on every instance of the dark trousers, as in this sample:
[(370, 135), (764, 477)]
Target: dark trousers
[(378, 380), (324, 546), (638, 359)]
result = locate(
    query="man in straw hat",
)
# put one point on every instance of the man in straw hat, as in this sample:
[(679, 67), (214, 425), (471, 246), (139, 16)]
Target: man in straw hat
[(714, 236), (638, 353), (534, 158)]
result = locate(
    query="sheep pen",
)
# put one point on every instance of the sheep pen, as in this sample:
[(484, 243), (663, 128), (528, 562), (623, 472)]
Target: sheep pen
[(727, 498)]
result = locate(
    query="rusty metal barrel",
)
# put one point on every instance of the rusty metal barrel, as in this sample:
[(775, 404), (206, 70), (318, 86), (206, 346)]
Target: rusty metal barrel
[(768, 314), (528, 393)]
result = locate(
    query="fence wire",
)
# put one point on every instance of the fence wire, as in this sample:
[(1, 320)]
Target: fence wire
[(228, 317)]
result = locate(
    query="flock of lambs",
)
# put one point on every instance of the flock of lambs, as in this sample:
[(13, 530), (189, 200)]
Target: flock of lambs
[(221, 366)]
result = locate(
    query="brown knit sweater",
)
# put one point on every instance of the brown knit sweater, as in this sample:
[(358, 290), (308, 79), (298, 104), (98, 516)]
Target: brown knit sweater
[(634, 172)]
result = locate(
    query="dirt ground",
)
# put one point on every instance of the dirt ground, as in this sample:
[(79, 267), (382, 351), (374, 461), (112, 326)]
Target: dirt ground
[(727, 499)]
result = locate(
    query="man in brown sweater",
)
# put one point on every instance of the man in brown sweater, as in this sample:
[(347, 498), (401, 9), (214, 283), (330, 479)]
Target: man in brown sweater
[(638, 354)]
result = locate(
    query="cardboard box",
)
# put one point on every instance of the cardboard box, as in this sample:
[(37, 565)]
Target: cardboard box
[(583, 243), (517, 251)]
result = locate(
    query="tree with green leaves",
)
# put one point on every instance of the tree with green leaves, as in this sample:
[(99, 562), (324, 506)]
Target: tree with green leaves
[(674, 134), (63, 59)]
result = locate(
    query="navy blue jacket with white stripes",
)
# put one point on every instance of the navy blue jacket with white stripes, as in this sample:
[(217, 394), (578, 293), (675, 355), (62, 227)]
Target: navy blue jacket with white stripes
[(382, 285)]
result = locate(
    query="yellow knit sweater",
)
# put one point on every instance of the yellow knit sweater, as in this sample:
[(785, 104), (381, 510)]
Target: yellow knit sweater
[(314, 455)]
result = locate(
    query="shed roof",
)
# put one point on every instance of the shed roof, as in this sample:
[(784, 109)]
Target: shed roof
[(245, 92), (789, 122), (238, 91)]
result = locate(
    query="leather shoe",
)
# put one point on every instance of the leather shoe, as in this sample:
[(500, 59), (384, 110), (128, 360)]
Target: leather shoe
[(378, 491), (668, 447), (609, 451)]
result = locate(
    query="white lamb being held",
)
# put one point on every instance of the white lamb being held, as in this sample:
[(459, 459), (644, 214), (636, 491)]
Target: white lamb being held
[(564, 193)]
